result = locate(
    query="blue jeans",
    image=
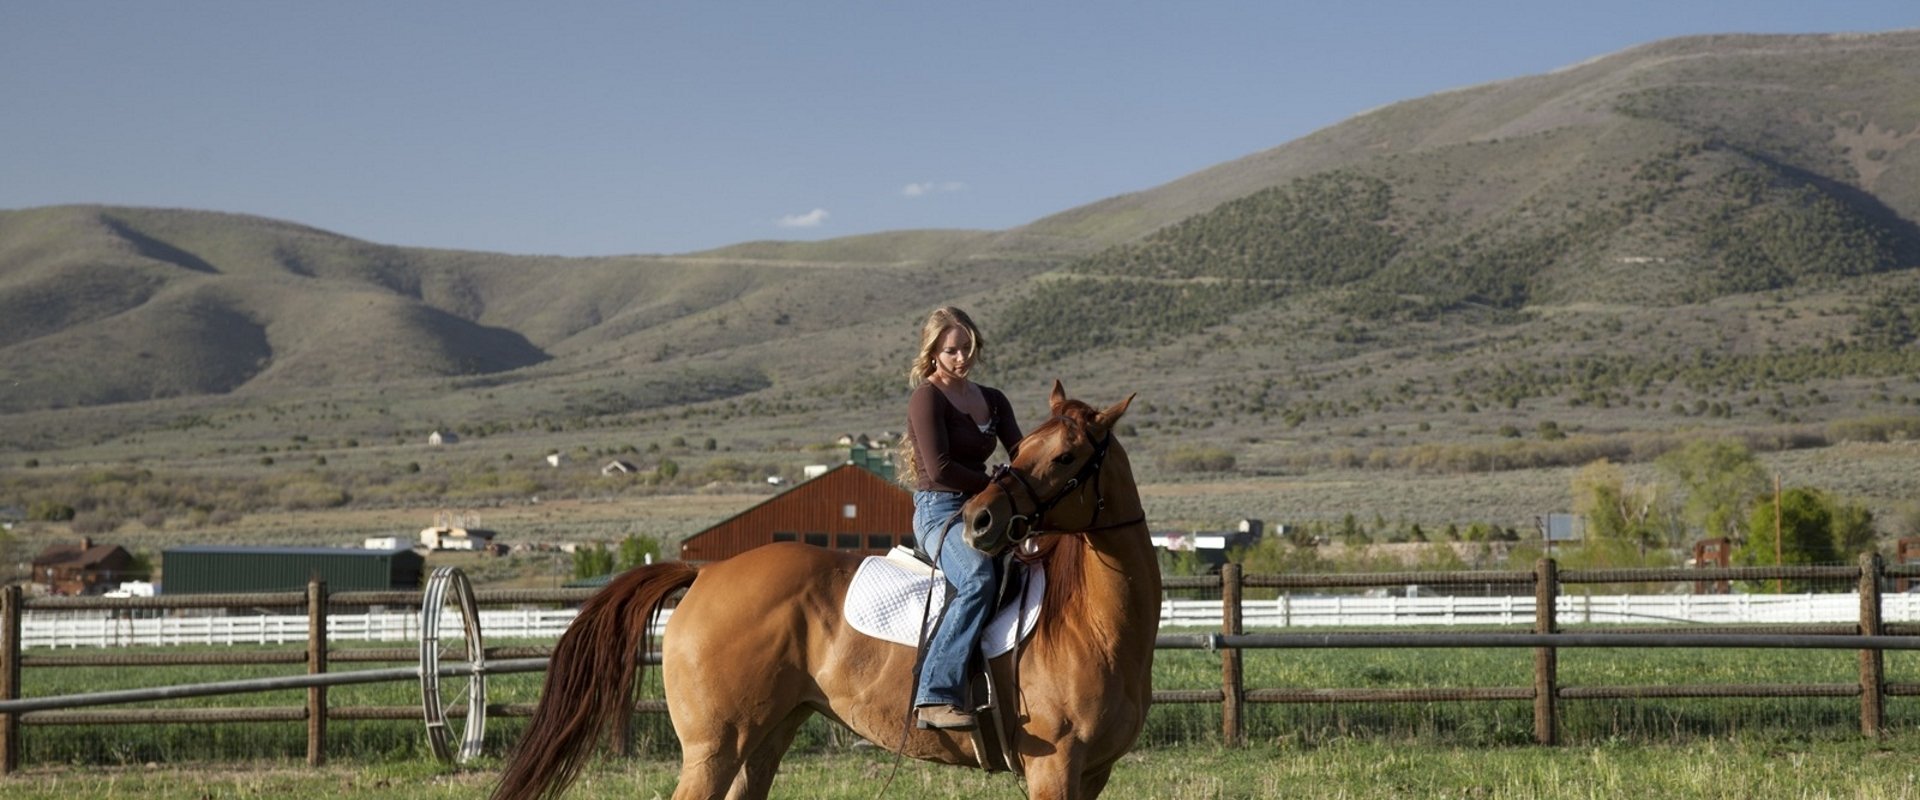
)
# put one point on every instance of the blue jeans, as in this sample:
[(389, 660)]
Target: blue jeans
[(974, 577)]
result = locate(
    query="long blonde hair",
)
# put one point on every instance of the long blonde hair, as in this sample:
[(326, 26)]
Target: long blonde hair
[(943, 319)]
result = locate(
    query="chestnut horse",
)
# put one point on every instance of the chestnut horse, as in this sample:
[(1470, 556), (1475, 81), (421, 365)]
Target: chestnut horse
[(757, 644)]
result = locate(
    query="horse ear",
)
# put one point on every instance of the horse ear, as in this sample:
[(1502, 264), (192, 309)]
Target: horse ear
[(1105, 419), (1058, 398)]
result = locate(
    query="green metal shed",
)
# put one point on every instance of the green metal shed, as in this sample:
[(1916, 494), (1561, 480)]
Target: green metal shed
[(210, 569)]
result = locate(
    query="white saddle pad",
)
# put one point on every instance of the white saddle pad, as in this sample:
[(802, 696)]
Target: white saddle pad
[(888, 598)]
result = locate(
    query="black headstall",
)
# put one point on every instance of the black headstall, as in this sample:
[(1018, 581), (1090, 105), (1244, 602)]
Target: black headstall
[(1029, 521)]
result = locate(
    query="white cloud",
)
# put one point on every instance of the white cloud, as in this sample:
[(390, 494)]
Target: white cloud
[(811, 219), (929, 187)]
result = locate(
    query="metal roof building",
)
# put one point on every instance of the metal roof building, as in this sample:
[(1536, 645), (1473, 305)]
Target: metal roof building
[(209, 569)]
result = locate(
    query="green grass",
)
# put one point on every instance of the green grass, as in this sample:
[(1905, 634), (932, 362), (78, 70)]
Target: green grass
[(1437, 724), (1735, 767)]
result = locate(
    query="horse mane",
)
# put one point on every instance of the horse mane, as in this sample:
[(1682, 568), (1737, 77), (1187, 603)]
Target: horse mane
[(1063, 555)]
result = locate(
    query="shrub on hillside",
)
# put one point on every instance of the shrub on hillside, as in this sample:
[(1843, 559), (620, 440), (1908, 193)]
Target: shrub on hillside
[(1197, 458), (92, 523), (49, 511), (1876, 429), (307, 494)]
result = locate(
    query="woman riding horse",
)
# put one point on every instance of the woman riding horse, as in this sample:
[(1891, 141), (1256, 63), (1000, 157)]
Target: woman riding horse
[(757, 644)]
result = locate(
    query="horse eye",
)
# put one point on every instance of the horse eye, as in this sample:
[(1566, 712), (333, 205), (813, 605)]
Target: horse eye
[(1063, 459)]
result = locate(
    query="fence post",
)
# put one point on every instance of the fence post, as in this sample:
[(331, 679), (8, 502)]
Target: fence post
[(1873, 679), (316, 664), (1233, 726), (10, 678), (1546, 679)]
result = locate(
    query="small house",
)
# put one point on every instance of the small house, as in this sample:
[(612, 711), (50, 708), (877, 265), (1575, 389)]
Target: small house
[(450, 538), (618, 467), (82, 567), (442, 437)]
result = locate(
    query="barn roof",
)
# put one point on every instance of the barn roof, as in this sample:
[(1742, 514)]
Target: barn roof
[(796, 490), (846, 508), (75, 554)]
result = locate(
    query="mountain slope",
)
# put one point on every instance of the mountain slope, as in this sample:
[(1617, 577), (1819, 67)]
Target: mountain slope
[(1677, 174), (1612, 182), (1841, 106)]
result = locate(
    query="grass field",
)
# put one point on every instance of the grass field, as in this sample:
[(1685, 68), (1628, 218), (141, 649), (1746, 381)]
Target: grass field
[(1739, 767), (1675, 722)]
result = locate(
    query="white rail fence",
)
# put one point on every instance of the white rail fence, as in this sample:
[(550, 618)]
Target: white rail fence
[(55, 629), (1635, 609)]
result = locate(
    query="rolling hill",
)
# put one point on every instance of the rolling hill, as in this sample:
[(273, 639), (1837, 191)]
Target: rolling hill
[(1718, 225)]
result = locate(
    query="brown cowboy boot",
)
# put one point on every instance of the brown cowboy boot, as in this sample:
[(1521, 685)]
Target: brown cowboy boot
[(944, 717)]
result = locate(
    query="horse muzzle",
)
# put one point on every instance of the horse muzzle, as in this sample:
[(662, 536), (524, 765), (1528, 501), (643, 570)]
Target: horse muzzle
[(989, 525)]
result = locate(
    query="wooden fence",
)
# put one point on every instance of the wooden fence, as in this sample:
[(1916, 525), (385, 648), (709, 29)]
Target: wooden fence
[(1869, 634)]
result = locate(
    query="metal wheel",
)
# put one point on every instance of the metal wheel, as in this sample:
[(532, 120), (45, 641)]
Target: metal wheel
[(444, 695)]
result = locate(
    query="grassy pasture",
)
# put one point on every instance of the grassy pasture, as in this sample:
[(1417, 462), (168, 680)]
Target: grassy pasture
[(1739, 767), (1501, 724)]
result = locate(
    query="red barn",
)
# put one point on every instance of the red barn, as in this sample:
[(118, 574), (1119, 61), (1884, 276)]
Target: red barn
[(848, 508)]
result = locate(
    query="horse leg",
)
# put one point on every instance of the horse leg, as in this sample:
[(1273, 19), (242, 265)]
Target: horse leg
[(1094, 780), (1056, 777), (728, 752), (756, 776), (706, 769)]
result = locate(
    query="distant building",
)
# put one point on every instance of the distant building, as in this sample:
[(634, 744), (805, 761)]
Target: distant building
[(447, 538), (455, 531), (618, 467), (442, 437), (1212, 548), (210, 569), (82, 567), (133, 589), (879, 463), (846, 508), (555, 459)]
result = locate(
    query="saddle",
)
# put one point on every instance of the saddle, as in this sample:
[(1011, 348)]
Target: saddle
[(893, 599), (888, 599)]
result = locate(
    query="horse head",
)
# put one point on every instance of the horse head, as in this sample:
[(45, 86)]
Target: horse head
[(1053, 483)]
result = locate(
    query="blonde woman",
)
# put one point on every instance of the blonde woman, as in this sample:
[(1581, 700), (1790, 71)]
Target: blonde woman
[(953, 426)]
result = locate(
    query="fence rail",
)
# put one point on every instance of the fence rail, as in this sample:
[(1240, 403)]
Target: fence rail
[(107, 628), (1866, 620)]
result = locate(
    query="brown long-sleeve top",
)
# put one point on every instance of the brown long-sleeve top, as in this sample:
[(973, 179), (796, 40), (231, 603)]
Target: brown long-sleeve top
[(951, 447)]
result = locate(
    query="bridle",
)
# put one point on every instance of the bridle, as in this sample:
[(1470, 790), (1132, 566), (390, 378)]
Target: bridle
[(1087, 477)]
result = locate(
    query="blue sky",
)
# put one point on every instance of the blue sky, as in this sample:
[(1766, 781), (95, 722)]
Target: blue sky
[(597, 128)]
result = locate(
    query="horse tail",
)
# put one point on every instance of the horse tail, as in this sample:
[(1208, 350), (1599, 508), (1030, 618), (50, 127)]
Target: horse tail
[(590, 681)]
